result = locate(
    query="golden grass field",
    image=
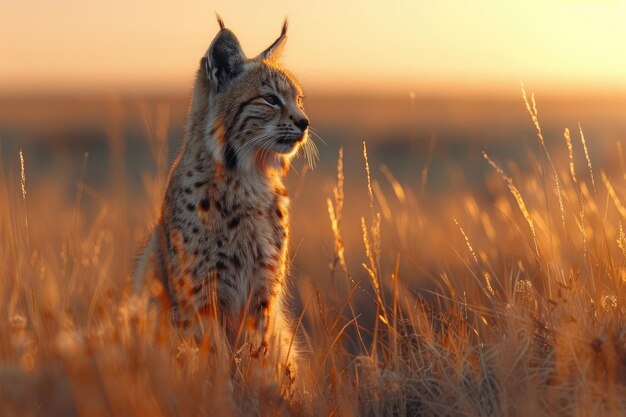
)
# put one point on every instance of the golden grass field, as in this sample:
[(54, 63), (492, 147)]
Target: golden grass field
[(505, 302)]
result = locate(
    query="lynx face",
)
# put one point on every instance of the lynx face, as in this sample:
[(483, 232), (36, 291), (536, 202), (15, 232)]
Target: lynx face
[(257, 104)]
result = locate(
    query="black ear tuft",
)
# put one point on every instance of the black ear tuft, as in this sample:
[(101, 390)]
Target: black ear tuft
[(220, 21), (225, 58)]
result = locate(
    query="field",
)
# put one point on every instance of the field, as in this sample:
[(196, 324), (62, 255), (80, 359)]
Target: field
[(451, 256)]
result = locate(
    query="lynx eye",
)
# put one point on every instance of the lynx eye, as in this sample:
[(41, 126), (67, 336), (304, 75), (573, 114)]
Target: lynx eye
[(272, 99)]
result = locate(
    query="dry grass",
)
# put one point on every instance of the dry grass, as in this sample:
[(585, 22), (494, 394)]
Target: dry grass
[(523, 312)]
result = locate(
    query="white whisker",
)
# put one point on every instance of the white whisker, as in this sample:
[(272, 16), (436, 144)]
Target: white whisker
[(317, 135), (251, 143)]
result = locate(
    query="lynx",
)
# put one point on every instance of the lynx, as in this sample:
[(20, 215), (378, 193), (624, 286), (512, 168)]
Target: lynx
[(220, 245)]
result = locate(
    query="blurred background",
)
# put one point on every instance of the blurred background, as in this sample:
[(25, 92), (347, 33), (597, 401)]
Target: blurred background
[(95, 95)]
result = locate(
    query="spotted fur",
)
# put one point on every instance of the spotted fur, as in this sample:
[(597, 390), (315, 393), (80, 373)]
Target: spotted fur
[(220, 246)]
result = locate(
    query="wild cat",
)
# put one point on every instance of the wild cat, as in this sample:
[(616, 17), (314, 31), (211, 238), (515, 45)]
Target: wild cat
[(221, 242)]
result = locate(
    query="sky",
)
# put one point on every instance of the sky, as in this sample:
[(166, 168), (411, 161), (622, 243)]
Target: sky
[(394, 45)]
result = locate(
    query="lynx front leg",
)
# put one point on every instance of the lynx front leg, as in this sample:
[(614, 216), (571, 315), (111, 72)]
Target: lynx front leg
[(261, 314)]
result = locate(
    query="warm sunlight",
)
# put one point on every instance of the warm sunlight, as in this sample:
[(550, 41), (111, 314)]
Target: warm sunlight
[(557, 44), (428, 219)]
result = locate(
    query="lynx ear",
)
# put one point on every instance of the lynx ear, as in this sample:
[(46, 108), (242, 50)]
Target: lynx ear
[(275, 49), (224, 58)]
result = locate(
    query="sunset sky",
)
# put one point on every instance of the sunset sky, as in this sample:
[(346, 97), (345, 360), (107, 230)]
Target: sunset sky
[(71, 45)]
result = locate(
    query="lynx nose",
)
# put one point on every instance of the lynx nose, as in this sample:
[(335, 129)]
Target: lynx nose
[(303, 124)]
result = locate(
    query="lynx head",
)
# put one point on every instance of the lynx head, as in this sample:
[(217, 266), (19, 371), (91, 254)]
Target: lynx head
[(254, 106)]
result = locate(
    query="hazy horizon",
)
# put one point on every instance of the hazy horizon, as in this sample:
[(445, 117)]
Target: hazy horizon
[(554, 46)]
